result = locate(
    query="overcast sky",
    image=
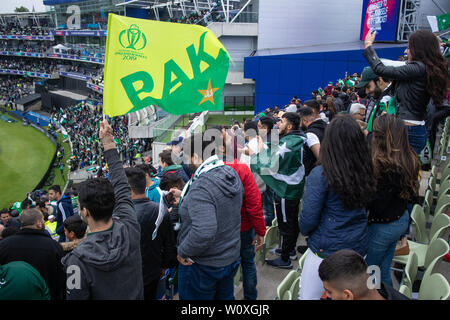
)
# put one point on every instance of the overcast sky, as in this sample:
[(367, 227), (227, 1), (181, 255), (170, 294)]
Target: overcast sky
[(8, 6)]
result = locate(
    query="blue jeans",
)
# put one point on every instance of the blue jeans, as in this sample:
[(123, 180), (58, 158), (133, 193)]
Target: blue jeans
[(383, 239), (248, 265), (200, 282), (268, 206), (417, 136)]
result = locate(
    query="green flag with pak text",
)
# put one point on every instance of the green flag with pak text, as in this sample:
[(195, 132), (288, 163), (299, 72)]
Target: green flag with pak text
[(181, 68)]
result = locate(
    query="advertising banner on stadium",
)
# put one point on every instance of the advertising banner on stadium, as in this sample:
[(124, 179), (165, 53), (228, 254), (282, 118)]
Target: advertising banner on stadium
[(22, 54), (52, 55), (25, 73), (382, 16), (81, 33), (74, 75), (21, 37), (181, 68), (95, 87), (74, 57)]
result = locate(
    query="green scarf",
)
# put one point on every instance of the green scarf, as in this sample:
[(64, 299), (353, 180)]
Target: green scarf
[(210, 163)]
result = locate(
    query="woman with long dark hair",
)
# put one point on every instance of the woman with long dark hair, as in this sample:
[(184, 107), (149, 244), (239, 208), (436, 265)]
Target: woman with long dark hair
[(396, 168), (424, 76), (329, 108), (334, 215)]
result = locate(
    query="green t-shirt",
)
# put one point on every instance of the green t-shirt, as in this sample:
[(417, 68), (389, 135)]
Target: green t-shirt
[(387, 104), (109, 229), (21, 281), (17, 206)]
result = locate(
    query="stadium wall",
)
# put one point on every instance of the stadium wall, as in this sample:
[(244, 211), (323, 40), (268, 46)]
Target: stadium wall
[(280, 77), (75, 85), (289, 23)]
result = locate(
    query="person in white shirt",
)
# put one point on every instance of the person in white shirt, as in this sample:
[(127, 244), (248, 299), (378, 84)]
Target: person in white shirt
[(255, 143)]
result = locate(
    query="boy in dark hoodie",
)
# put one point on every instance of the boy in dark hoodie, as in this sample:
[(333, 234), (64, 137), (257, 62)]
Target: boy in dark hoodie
[(107, 265)]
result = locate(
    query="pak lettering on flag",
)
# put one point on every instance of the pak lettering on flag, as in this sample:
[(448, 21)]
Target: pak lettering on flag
[(281, 166), (181, 68)]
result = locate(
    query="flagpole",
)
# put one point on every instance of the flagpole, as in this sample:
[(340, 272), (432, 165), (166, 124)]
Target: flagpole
[(443, 33)]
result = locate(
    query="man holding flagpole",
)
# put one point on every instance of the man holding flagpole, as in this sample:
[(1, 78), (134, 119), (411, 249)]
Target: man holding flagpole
[(281, 167)]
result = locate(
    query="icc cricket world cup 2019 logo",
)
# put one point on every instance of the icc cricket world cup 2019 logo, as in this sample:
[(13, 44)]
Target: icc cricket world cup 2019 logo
[(132, 38)]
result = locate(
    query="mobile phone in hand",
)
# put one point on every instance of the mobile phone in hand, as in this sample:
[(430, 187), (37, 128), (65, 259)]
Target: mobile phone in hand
[(169, 198)]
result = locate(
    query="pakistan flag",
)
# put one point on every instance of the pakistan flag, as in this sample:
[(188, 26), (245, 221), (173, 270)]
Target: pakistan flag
[(439, 23), (281, 166), (181, 68)]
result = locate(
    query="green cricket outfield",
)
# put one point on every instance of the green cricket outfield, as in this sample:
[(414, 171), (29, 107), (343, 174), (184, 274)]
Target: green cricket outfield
[(25, 154)]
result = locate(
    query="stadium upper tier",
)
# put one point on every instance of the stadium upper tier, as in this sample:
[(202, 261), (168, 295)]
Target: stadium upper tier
[(79, 52)]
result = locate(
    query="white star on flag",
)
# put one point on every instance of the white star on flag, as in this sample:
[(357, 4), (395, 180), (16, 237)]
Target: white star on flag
[(283, 149)]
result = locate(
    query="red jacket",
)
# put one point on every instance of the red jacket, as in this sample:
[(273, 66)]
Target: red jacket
[(251, 210)]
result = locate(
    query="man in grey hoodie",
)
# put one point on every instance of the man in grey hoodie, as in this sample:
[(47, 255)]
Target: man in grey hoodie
[(108, 264), (209, 237)]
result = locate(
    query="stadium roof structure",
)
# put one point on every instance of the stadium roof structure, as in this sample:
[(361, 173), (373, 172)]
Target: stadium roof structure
[(25, 15), (28, 99), (180, 5)]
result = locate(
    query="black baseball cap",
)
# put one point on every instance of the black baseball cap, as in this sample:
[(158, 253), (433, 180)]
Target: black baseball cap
[(367, 75)]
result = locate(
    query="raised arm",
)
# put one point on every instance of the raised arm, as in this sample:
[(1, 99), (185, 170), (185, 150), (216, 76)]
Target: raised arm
[(405, 72), (124, 208)]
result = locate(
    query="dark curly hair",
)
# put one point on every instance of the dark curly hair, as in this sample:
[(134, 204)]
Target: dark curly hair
[(424, 46), (97, 195), (392, 154), (347, 163)]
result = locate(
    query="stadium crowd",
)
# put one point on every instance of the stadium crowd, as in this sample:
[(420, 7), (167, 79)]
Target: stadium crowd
[(15, 29), (31, 65), (47, 47), (14, 88), (26, 46), (203, 17), (49, 66), (350, 154), (82, 123)]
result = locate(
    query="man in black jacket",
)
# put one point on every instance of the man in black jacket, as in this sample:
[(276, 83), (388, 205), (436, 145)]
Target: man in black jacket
[(314, 127), (34, 245), (346, 276), (161, 252), (341, 101)]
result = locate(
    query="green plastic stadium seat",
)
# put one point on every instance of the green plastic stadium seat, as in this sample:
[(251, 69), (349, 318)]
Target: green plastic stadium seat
[(442, 204), (405, 290), (436, 287), (412, 265), (286, 284), (440, 250), (270, 240), (295, 289)]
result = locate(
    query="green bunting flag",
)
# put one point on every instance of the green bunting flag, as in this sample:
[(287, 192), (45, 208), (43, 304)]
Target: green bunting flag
[(281, 166), (439, 23)]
